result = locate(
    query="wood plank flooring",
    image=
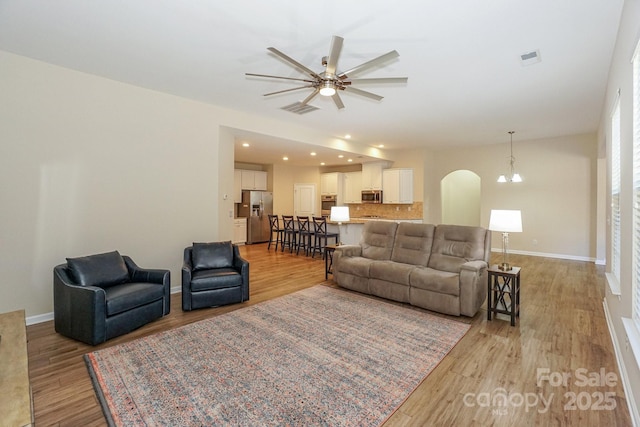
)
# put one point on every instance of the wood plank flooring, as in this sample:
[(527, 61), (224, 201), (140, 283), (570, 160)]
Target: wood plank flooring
[(490, 378)]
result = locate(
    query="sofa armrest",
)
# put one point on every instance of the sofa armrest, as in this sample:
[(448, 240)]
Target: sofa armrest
[(348, 250), (79, 311), (473, 286)]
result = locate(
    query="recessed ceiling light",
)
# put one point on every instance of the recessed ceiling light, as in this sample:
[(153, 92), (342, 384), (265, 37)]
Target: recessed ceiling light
[(340, 156), (245, 144), (347, 136), (380, 145), (350, 160), (313, 153), (285, 158), (321, 163)]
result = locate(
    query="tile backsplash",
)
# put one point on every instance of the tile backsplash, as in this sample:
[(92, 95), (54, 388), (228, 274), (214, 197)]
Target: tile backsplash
[(387, 211)]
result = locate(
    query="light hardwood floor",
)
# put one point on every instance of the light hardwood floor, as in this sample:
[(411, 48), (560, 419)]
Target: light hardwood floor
[(561, 333)]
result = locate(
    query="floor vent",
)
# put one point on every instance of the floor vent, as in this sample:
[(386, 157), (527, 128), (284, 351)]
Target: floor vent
[(299, 108)]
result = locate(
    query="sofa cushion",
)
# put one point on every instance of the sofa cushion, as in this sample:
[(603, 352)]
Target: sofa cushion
[(412, 244), (377, 239), (212, 255), (127, 296), (357, 266), (453, 245), (391, 271), (101, 270), (443, 282), (219, 278)]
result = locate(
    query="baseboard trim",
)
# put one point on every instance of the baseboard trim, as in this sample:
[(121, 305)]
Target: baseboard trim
[(547, 255), (633, 409), (40, 318)]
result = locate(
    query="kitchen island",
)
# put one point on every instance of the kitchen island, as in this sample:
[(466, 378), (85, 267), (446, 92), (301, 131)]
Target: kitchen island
[(350, 231)]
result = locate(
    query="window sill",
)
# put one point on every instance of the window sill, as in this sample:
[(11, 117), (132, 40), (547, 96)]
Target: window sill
[(614, 285)]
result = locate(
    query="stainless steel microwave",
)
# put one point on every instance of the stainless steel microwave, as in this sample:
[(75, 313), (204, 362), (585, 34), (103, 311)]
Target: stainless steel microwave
[(371, 196)]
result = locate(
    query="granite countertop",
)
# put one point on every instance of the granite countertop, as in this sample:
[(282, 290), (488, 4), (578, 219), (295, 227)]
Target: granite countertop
[(364, 219)]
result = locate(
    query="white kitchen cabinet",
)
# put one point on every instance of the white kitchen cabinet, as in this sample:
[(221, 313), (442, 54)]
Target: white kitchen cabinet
[(237, 186), (397, 186), (239, 231), (254, 180), (330, 183), (352, 187), (372, 175)]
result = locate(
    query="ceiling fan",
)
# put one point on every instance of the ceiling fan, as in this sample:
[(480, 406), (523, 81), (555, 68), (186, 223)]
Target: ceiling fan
[(329, 82)]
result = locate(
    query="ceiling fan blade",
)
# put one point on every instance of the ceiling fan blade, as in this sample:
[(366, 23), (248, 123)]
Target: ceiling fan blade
[(310, 97), (360, 92), (334, 54), (337, 100), (287, 90), (379, 60), (293, 62), (380, 80), (278, 77)]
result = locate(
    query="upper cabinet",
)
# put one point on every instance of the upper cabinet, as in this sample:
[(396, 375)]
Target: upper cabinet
[(372, 175), (352, 187), (330, 183), (397, 186), (253, 180)]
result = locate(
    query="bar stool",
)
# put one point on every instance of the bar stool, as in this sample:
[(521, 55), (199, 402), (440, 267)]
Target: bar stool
[(288, 233), (276, 231), (321, 235), (304, 235)]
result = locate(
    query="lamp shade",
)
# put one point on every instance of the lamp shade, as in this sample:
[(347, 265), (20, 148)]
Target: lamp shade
[(507, 221), (339, 213)]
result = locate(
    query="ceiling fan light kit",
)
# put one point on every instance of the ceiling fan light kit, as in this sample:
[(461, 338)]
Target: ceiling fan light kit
[(329, 82)]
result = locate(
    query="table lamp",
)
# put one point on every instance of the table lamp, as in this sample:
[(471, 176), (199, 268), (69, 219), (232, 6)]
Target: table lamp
[(339, 214), (505, 221)]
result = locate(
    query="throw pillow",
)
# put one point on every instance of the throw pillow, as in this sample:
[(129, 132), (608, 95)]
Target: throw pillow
[(99, 270), (212, 255)]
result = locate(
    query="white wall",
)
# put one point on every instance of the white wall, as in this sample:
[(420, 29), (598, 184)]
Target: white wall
[(89, 165), (557, 197), (620, 78)]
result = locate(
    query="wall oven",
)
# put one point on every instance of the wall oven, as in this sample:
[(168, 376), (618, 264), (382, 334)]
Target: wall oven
[(371, 196), (328, 201)]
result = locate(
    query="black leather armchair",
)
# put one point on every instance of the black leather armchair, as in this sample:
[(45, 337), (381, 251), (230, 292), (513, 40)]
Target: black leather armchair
[(99, 297), (213, 274)]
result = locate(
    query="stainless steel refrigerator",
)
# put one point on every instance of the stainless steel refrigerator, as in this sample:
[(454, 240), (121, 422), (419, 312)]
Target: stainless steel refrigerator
[(256, 206)]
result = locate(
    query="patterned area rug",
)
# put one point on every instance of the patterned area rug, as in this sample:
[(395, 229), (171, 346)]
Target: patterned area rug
[(320, 356)]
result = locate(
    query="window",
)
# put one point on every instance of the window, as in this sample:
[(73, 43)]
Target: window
[(636, 187), (615, 192)]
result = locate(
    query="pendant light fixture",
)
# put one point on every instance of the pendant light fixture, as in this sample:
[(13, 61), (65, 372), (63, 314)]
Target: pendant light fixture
[(513, 177)]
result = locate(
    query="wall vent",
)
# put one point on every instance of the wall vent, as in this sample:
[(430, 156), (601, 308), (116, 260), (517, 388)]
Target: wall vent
[(299, 108), (530, 58)]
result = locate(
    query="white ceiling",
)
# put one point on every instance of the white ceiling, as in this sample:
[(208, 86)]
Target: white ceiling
[(462, 57)]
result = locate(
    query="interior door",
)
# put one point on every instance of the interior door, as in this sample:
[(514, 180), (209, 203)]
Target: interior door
[(304, 199)]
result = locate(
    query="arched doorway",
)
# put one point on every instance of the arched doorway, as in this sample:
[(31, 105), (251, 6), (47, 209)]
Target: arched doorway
[(460, 192)]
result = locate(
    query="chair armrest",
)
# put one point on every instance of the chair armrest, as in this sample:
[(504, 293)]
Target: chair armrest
[(151, 275), (146, 275), (79, 311), (242, 266)]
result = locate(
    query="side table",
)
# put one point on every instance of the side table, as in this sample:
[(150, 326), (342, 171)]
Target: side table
[(328, 260), (502, 283)]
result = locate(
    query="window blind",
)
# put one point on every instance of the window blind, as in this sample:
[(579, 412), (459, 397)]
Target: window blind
[(636, 187), (615, 191)]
